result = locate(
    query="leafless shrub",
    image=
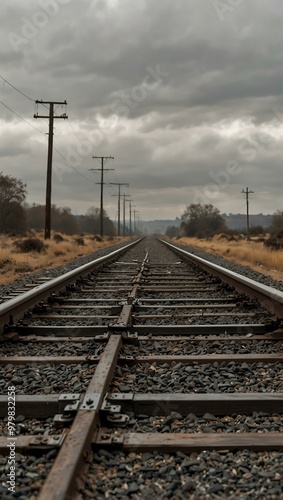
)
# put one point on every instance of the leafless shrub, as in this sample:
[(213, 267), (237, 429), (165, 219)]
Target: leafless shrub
[(58, 238), (274, 243), (96, 237), (30, 245), (79, 240), (4, 262), (24, 267)]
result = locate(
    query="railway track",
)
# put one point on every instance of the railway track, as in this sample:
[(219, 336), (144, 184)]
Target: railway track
[(148, 372)]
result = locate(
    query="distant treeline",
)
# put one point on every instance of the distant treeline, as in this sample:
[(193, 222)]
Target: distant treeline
[(203, 221), (16, 216)]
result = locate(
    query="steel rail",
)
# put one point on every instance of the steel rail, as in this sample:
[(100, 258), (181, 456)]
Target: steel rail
[(271, 298), (17, 305), (60, 482), (275, 336), (164, 330), (158, 359)]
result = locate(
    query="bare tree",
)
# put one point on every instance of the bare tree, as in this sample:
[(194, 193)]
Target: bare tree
[(277, 222), (12, 196), (202, 221)]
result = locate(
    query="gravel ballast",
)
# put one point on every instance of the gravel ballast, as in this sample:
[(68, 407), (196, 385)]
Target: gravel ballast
[(46, 379), (204, 347), (31, 472), (243, 475), (34, 348), (199, 378)]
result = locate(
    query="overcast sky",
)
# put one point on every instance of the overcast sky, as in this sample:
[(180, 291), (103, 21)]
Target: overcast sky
[(187, 96)]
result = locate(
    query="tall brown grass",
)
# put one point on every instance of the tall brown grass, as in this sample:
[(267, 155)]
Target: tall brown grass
[(14, 264), (248, 253)]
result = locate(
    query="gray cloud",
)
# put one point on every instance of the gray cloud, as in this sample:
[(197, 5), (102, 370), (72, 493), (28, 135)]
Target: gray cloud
[(211, 102)]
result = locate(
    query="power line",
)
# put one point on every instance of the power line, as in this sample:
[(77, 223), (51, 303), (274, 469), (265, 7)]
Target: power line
[(18, 90), (37, 129), (44, 134), (40, 131), (21, 118), (76, 134), (71, 166)]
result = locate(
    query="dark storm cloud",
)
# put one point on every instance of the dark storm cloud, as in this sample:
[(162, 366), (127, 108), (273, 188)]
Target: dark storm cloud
[(172, 90)]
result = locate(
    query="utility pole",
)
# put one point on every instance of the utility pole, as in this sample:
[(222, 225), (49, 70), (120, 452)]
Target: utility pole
[(247, 192), (124, 213), (135, 213), (131, 211), (51, 117), (130, 217), (102, 170), (119, 197), (136, 220)]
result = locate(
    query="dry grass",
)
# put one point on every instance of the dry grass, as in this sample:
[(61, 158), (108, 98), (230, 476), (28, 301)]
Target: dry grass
[(248, 253), (14, 264)]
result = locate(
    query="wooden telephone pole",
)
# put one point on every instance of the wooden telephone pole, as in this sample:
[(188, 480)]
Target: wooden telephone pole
[(119, 201), (131, 210), (51, 118), (102, 170), (125, 198), (247, 192)]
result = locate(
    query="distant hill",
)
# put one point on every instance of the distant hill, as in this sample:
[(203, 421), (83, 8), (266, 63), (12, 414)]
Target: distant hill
[(239, 221), (158, 226), (233, 221)]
